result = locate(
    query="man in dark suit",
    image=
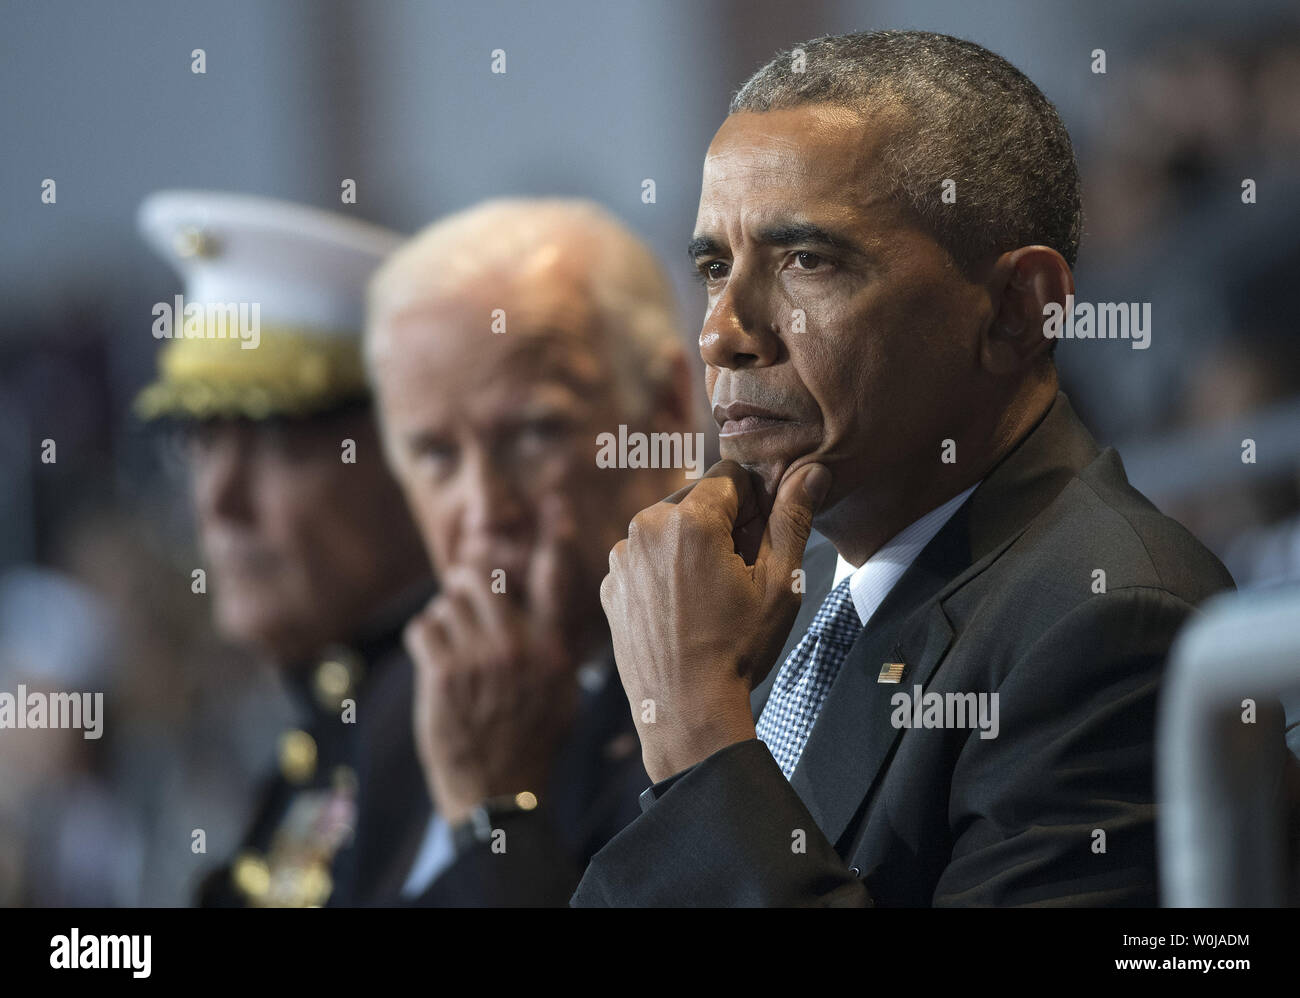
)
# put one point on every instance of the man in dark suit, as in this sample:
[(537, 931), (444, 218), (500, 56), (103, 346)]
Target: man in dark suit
[(505, 344), (963, 711)]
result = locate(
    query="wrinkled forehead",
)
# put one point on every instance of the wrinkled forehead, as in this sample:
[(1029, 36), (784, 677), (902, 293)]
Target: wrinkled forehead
[(480, 355), (819, 157)]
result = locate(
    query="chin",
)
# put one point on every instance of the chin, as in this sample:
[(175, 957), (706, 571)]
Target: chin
[(773, 457), (245, 622), (773, 470)]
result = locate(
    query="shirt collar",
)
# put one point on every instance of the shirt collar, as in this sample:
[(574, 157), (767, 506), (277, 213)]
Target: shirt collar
[(872, 581)]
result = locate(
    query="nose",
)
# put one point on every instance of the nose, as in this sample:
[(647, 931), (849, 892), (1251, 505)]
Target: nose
[(738, 331), (222, 477), (491, 500)]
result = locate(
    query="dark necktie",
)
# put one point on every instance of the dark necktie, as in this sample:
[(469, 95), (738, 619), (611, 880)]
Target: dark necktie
[(800, 688)]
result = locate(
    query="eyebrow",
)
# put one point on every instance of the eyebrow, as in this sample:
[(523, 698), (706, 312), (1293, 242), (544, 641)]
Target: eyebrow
[(702, 246), (788, 234), (415, 440)]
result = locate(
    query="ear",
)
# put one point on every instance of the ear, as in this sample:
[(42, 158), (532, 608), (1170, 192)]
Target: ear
[(1022, 283)]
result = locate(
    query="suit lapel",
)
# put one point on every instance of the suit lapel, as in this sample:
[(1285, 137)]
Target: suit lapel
[(853, 737)]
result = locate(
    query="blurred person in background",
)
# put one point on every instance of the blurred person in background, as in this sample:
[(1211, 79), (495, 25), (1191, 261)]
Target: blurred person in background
[(66, 838), (312, 558), (188, 716), (503, 342)]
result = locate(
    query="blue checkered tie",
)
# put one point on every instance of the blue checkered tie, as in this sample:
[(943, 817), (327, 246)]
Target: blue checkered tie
[(800, 688)]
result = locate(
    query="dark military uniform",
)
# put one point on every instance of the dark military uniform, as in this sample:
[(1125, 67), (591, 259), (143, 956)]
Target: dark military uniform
[(342, 821), (307, 845), (272, 329)]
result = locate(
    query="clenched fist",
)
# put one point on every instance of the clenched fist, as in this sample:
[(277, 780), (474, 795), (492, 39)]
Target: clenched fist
[(495, 674), (700, 598)]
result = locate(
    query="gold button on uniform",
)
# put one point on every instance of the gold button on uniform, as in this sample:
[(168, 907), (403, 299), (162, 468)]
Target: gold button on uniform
[(313, 887), (251, 875), (337, 677), (297, 756)]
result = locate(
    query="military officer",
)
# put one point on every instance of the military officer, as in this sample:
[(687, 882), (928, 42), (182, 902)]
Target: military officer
[(312, 557)]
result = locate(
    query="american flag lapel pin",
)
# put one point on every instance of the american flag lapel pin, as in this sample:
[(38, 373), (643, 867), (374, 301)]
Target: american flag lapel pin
[(891, 672)]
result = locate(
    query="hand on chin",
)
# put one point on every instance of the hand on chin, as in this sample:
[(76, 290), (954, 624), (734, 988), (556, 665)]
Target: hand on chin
[(748, 532)]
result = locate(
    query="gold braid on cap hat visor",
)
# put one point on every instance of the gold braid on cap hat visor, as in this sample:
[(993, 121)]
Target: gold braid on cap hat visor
[(293, 371)]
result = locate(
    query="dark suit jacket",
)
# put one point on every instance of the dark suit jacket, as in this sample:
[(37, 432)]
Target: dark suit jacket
[(1058, 809)]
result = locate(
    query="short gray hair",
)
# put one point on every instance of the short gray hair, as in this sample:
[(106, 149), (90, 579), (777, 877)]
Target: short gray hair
[(968, 115), (632, 297)]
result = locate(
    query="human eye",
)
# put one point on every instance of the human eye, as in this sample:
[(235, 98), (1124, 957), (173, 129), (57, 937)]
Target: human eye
[(541, 433), (432, 455), (810, 261), (709, 272)]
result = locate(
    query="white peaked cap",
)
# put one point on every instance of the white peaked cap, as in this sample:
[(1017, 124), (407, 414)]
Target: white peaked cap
[(304, 269)]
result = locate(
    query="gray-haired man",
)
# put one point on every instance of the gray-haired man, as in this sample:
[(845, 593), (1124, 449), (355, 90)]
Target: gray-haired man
[(504, 344)]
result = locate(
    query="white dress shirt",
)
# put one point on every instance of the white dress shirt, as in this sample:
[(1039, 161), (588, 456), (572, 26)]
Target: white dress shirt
[(872, 582)]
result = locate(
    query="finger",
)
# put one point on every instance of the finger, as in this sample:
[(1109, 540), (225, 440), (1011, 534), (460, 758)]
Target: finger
[(555, 567), (729, 490), (797, 501), (424, 637), (607, 591), (680, 494), (616, 557), (488, 610), (459, 620)]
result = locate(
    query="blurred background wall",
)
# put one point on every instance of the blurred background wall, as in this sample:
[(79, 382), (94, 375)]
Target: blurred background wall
[(597, 98)]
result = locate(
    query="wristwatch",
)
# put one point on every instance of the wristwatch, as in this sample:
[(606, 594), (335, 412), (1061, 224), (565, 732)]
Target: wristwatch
[(484, 819)]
